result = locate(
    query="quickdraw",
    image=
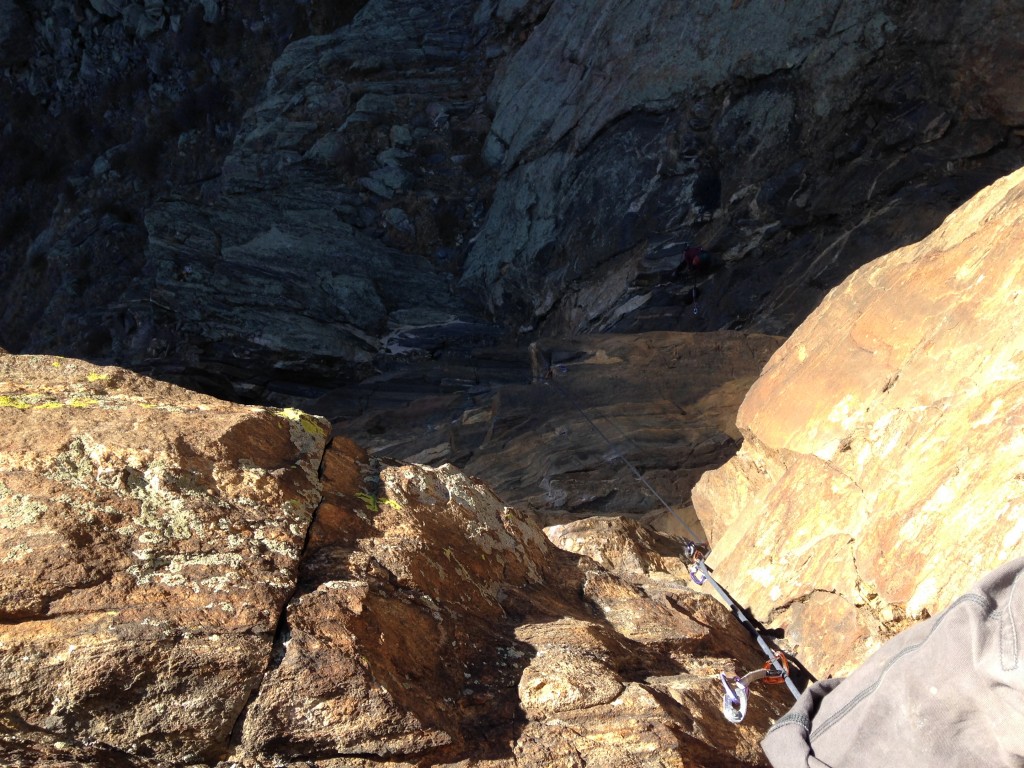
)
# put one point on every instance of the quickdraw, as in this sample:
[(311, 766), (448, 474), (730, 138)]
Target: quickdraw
[(734, 704), (737, 690), (776, 673), (775, 670)]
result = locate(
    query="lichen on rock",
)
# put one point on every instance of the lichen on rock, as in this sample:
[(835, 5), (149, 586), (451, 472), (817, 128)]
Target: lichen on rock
[(150, 539)]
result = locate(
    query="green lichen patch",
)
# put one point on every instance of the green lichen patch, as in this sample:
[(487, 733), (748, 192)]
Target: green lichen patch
[(82, 402), (19, 511), (36, 401)]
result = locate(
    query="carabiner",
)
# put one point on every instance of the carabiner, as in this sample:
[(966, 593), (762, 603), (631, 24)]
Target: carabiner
[(734, 702), (697, 573)]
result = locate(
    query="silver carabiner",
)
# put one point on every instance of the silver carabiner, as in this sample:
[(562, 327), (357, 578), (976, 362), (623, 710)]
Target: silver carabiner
[(697, 574), (734, 702)]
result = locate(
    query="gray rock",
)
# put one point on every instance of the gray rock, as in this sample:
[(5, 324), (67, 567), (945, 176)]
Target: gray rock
[(399, 219), (743, 102), (111, 8), (15, 32), (401, 136), (211, 11), (533, 164), (154, 8)]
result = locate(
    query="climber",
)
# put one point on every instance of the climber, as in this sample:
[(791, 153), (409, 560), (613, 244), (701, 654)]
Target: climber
[(696, 261), (948, 691), (696, 258)]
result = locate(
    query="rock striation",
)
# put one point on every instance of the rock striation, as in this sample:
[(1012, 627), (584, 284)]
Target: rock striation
[(272, 200), (563, 437), (189, 582), (792, 141), (880, 471), (109, 105), (331, 236)]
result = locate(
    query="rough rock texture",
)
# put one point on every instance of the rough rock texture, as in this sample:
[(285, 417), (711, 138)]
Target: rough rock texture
[(150, 538), (107, 106), (268, 199), (796, 140), (181, 586), (664, 402), (433, 624), (881, 467), (337, 211), (274, 200)]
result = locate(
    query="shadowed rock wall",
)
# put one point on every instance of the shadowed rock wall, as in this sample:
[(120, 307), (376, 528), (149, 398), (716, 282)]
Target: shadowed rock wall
[(269, 202), (795, 140)]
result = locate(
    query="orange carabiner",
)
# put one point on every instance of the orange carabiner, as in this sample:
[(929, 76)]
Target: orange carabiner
[(773, 677)]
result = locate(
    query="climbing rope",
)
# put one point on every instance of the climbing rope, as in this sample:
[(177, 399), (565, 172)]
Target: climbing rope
[(776, 669), (737, 689), (619, 455)]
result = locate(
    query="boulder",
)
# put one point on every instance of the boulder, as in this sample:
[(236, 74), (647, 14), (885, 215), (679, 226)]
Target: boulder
[(150, 538), (880, 471)]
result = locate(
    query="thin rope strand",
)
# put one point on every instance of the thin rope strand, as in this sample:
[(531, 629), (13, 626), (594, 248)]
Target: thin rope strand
[(734, 608), (618, 454)]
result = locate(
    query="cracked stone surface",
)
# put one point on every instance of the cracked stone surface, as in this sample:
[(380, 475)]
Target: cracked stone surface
[(189, 582), (150, 538), (433, 623), (881, 468)]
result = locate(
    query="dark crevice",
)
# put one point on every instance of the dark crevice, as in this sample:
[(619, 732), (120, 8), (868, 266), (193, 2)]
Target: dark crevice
[(282, 632)]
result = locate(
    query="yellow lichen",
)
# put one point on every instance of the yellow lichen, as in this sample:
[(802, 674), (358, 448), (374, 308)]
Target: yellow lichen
[(308, 422), (82, 402), (33, 401), (97, 376)]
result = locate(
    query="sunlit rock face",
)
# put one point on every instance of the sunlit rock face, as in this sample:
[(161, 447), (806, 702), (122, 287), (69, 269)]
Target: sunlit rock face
[(189, 582), (150, 539), (881, 465)]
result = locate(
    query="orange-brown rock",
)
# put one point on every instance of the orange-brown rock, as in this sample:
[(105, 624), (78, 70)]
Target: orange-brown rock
[(183, 587), (625, 546), (434, 625), (881, 471), (150, 538)]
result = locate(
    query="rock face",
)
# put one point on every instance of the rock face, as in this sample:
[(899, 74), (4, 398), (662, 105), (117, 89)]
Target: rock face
[(746, 129), (338, 210), (880, 471), (150, 538), (110, 105), (269, 200), (566, 443), (182, 586)]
